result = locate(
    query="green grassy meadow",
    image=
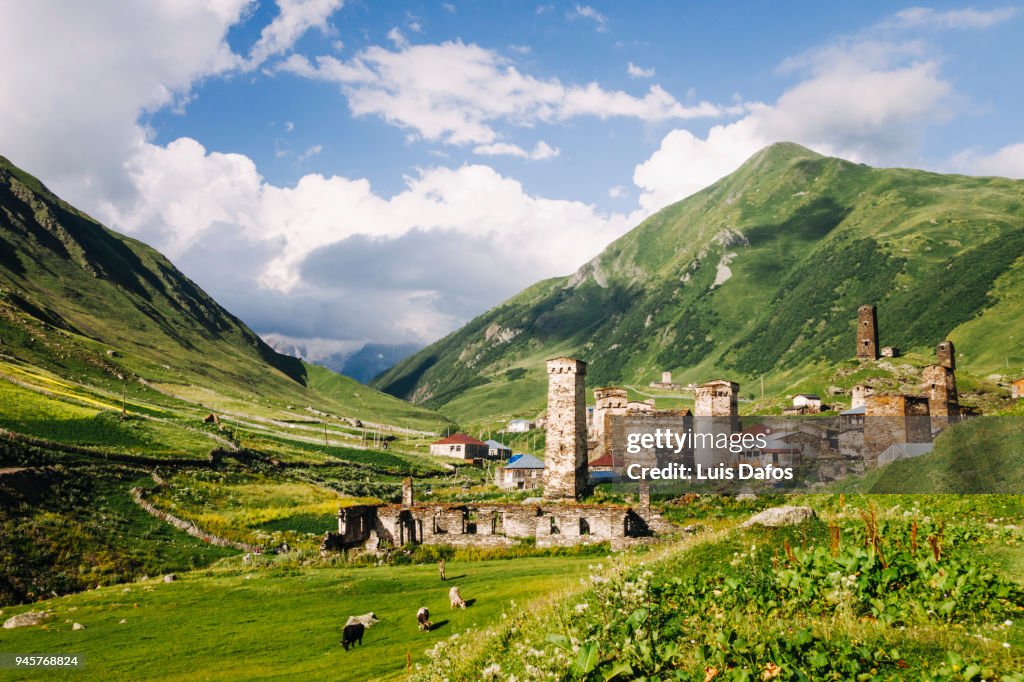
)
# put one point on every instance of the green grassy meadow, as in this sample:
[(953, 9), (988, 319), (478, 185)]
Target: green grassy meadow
[(279, 623)]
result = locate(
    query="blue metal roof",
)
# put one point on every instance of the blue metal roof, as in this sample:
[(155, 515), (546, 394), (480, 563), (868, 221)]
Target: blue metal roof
[(522, 461)]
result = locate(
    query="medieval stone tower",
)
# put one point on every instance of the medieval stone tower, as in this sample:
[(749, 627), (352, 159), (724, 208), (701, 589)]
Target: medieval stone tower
[(608, 401), (718, 398), (867, 333), (565, 455), (943, 403), (716, 414), (946, 354)]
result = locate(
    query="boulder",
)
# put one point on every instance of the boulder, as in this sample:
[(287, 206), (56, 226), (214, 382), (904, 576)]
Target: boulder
[(170, 578), (77, 626), (777, 517), (26, 619)]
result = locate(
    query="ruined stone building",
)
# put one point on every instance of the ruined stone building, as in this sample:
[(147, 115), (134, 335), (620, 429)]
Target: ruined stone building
[(372, 527), (867, 333)]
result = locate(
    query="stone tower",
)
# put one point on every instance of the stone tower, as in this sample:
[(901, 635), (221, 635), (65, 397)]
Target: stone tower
[(946, 355), (717, 398), (716, 414), (859, 395), (565, 455), (894, 419), (608, 401), (940, 383), (867, 333)]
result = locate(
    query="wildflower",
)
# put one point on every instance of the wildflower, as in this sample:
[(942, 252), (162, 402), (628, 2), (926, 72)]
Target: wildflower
[(1006, 645), (491, 671), (771, 671), (580, 608)]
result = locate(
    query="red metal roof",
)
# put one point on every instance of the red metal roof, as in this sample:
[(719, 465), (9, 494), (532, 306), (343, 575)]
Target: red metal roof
[(604, 460), (459, 439)]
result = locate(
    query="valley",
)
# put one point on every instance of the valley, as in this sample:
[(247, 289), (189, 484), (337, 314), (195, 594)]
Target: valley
[(170, 486)]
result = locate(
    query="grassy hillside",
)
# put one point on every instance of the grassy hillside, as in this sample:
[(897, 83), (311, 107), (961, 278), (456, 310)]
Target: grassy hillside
[(983, 455), (759, 275), (858, 593), (95, 307)]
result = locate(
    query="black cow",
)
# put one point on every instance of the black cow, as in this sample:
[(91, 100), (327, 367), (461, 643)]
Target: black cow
[(352, 635)]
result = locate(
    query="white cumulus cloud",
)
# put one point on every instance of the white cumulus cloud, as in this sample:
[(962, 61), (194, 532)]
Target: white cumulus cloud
[(457, 92), (1005, 162), (294, 18), (862, 103)]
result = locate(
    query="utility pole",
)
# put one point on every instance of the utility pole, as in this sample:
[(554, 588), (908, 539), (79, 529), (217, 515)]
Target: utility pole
[(325, 433)]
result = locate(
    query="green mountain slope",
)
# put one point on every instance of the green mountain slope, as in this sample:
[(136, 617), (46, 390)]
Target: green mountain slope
[(94, 306), (759, 275)]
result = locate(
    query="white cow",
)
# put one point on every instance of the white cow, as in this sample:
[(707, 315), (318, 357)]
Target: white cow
[(455, 599), (367, 620)]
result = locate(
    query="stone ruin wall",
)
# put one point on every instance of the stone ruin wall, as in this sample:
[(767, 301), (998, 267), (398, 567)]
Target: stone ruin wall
[(492, 525)]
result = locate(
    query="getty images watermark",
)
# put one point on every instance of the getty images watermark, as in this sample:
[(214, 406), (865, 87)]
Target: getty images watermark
[(681, 442)]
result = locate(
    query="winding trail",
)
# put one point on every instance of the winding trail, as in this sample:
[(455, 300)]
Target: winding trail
[(138, 496)]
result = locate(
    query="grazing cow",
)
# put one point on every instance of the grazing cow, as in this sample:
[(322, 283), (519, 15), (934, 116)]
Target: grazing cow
[(455, 598), (351, 635), (423, 618), (367, 620)]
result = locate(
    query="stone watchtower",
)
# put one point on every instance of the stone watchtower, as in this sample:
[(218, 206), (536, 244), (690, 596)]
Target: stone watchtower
[(608, 401), (867, 333), (716, 414), (946, 355), (565, 455), (719, 398), (943, 402)]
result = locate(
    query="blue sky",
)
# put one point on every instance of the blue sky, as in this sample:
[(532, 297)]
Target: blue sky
[(341, 172)]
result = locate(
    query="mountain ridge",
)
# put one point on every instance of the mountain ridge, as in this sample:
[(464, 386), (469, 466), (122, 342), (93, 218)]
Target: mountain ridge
[(84, 302), (756, 275)]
